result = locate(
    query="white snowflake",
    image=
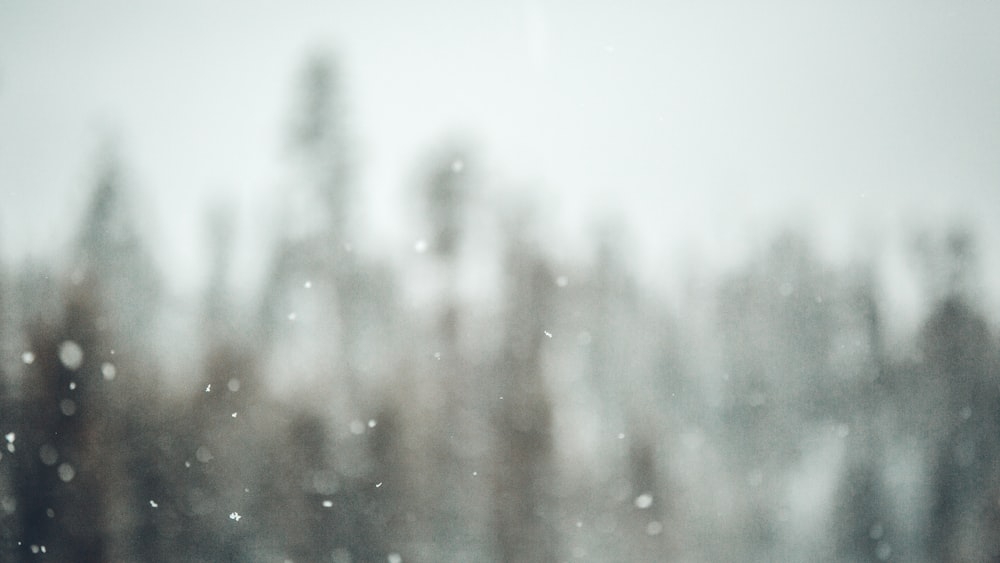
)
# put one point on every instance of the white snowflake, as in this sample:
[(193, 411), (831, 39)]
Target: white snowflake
[(645, 500), (71, 355)]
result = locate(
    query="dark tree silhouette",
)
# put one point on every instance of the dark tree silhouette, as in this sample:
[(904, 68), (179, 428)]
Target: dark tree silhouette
[(523, 480), (959, 351)]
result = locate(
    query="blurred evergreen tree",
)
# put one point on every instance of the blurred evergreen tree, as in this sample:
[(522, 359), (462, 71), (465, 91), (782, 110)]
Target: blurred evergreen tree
[(863, 528), (327, 314), (959, 364), (218, 306), (321, 143), (960, 350), (616, 304), (446, 193), (634, 369), (352, 298), (115, 277), (79, 427), (870, 405), (111, 258), (777, 327), (9, 414), (524, 476), (61, 479), (313, 243)]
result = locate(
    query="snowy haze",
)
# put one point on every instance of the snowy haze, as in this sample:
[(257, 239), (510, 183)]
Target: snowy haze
[(630, 282), (702, 126)]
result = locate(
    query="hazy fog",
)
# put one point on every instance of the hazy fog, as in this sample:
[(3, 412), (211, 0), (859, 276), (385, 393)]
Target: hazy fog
[(707, 123), (541, 281)]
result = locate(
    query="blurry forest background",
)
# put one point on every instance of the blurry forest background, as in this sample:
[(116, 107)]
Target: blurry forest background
[(360, 408)]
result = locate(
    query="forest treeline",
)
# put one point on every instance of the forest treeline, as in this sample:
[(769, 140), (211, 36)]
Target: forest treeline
[(769, 417)]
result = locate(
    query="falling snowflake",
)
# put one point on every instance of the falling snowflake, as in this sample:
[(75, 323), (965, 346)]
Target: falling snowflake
[(68, 407), (71, 355), (357, 427), (645, 500), (66, 472), (204, 454), (48, 454)]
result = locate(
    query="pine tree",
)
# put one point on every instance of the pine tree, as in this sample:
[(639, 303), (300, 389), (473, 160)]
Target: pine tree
[(524, 476)]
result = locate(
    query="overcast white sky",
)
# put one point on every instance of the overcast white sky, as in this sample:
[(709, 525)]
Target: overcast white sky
[(698, 121)]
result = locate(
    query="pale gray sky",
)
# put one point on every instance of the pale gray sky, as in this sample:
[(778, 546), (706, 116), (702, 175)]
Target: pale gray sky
[(697, 121)]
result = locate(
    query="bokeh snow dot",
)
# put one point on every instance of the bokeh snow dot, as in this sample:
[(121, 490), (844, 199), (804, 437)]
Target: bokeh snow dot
[(357, 427), (66, 472), (71, 355), (48, 454), (67, 407), (645, 500)]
